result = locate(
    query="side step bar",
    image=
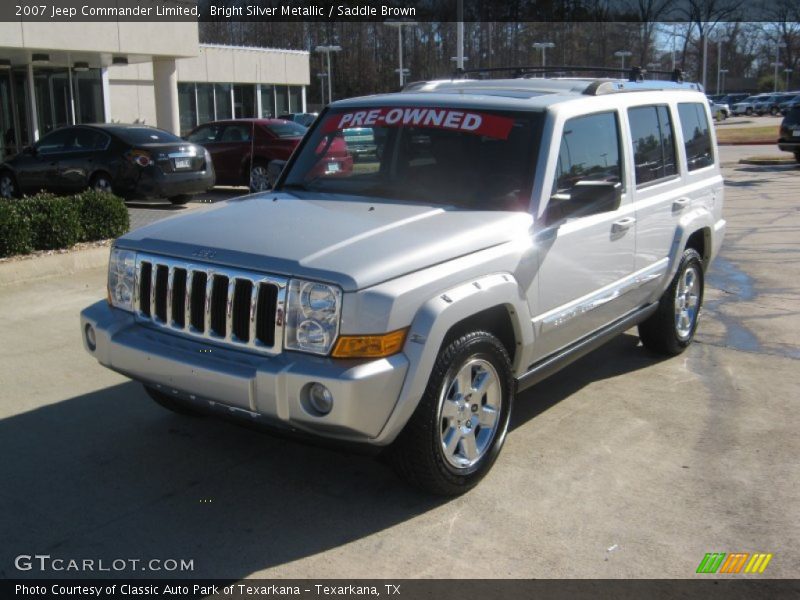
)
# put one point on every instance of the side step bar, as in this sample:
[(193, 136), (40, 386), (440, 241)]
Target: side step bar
[(546, 367)]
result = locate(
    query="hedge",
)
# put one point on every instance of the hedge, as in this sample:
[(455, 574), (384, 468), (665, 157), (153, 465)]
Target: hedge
[(48, 222)]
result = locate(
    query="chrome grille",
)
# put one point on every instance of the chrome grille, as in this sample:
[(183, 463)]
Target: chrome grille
[(239, 308)]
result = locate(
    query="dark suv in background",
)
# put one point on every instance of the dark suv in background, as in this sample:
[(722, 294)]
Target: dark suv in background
[(789, 140), (132, 161)]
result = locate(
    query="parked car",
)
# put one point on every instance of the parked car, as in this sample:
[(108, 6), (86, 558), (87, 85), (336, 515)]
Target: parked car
[(768, 104), (504, 231), (746, 106), (789, 101), (360, 141), (133, 161), (304, 119), (789, 140), (719, 111), (731, 99)]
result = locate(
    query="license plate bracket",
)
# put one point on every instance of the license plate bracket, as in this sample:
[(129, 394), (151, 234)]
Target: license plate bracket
[(182, 163)]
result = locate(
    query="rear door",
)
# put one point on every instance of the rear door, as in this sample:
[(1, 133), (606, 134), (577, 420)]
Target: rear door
[(586, 246), (82, 158)]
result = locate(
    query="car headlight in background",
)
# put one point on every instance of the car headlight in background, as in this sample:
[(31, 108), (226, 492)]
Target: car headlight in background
[(313, 312), (121, 278)]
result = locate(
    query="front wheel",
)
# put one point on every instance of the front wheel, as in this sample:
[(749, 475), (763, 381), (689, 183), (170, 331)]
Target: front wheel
[(671, 328), (8, 186), (458, 429)]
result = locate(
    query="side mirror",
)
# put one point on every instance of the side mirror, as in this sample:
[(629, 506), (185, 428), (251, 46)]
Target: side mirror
[(585, 198)]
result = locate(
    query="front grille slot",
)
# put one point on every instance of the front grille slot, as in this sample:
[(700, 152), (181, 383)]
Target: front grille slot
[(229, 306)]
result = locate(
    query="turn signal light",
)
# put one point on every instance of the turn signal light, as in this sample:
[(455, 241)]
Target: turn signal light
[(370, 346)]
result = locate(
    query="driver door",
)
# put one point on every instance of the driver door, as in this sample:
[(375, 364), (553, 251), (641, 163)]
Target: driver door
[(587, 240)]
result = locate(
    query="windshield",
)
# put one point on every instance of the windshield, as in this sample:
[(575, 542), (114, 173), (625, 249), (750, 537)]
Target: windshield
[(146, 135), (483, 160)]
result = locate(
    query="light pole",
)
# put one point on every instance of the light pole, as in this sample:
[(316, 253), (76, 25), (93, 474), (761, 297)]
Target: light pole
[(778, 46), (621, 54), (460, 35), (543, 46), (723, 72), (327, 50), (788, 75), (322, 77), (400, 25), (719, 63)]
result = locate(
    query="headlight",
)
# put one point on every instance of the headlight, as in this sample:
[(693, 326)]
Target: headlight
[(121, 277), (312, 316)]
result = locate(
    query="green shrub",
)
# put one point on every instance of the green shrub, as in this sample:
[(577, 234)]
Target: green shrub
[(55, 220), (102, 215), (15, 230)]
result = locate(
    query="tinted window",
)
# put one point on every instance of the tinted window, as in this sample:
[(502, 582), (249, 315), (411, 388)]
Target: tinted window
[(146, 135), (237, 133), (288, 129), (589, 152), (696, 135), (89, 139), (209, 133), (653, 143), (58, 141)]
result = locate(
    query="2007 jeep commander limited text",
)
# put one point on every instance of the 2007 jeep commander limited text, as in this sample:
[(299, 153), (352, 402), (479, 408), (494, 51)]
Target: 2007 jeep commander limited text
[(502, 229)]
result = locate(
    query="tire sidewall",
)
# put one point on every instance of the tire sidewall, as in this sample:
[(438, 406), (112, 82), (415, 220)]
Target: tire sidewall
[(486, 347), (690, 258)]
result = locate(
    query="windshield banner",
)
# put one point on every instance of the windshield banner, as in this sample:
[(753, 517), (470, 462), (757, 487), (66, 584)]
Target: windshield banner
[(465, 121)]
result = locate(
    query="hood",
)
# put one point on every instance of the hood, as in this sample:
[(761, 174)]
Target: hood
[(355, 243)]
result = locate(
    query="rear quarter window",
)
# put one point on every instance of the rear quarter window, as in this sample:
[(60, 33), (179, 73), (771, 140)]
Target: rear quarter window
[(653, 143), (696, 135)]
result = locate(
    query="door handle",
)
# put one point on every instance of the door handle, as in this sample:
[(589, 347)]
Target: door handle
[(680, 203), (623, 224)]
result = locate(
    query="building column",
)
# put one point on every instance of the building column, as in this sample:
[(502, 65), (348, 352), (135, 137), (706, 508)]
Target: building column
[(34, 133), (304, 98), (165, 86), (106, 94)]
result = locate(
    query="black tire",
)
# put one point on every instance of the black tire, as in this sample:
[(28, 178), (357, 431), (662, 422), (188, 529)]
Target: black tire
[(419, 455), (748, 111), (797, 156), (101, 182), (662, 332), (180, 199), (8, 186), (173, 404)]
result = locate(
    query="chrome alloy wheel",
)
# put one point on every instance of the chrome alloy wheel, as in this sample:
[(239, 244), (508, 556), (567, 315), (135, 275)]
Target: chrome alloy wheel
[(259, 179), (469, 413), (687, 302), (6, 186), (102, 184)]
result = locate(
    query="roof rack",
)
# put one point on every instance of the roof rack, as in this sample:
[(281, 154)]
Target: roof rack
[(635, 77)]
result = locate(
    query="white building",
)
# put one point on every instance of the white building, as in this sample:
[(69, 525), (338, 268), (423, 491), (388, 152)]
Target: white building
[(56, 74)]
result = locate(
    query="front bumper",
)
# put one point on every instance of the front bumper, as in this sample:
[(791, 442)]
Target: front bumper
[(264, 388)]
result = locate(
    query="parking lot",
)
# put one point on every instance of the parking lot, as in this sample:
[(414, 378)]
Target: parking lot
[(622, 465)]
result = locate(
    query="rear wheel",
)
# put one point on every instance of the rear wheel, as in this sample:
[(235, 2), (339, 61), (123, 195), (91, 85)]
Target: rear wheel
[(8, 186), (172, 404), (101, 182), (671, 328), (259, 178), (459, 427), (180, 199)]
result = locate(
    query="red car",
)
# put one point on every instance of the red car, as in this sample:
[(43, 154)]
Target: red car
[(242, 149)]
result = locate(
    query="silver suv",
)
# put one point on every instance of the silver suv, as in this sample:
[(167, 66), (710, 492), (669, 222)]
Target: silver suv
[(502, 229)]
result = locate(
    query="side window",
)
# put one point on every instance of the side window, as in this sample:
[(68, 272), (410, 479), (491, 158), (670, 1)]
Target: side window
[(653, 143), (696, 136), (588, 157), (237, 133), (58, 141), (87, 139), (205, 134)]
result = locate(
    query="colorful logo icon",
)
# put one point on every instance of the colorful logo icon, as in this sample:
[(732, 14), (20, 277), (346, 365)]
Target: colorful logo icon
[(720, 562)]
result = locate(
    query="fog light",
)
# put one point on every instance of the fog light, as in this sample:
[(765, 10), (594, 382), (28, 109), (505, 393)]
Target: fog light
[(91, 340), (320, 398)]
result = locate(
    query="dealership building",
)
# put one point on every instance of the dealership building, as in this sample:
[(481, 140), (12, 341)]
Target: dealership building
[(56, 74)]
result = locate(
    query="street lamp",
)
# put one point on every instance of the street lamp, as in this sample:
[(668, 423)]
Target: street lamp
[(723, 72), (719, 63), (543, 46), (788, 74), (327, 50), (622, 54), (400, 25), (322, 77), (777, 63)]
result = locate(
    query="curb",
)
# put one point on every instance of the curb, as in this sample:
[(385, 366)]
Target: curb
[(767, 162), (20, 271)]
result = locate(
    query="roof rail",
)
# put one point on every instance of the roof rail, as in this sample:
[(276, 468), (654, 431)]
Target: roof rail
[(634, 74)]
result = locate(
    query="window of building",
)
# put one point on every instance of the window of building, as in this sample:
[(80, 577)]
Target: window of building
[(696, 135), (281, 100), (244, 100), (222, 96), (88, 89), (653, 143), (267, 101), (205, 103), (187, 107), (295, 99)]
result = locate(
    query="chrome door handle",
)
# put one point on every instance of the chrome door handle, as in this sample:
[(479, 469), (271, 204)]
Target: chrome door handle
[(680, 203), (623, 224)]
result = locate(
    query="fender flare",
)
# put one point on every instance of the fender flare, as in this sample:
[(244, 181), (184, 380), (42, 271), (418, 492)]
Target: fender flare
[(433, 321), (692, 221)]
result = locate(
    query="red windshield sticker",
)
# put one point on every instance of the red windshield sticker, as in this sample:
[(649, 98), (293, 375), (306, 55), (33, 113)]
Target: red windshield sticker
[(475, 123)]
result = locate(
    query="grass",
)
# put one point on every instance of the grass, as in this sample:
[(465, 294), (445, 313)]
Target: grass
[(748, 135)]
